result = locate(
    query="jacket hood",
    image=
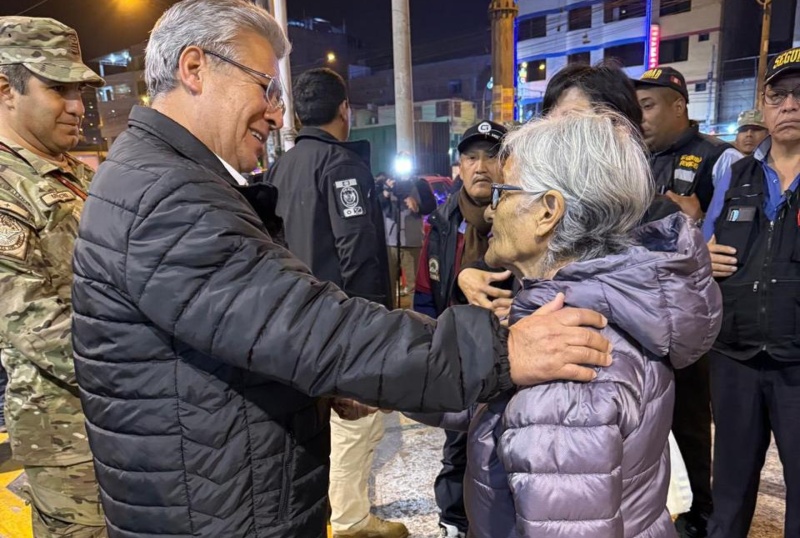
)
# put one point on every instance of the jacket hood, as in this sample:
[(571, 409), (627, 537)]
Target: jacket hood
[(661, 292)]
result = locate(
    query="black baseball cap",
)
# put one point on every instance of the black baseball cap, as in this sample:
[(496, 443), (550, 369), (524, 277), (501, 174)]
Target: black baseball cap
[(664, 77), (787, 61), (483, 130)]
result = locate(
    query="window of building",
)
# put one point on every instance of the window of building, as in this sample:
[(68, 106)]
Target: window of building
[(121, 91), (700, 87), (619, 10), (536, 70), (580, 18), (532, 28), (442, 109), (628, 55), (674, 50), (455, 87), (457, 109), (703, 37), (671, 7), (580, 58)]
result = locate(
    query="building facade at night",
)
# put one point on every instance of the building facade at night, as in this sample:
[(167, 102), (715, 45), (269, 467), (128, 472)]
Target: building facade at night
[(684, 34)]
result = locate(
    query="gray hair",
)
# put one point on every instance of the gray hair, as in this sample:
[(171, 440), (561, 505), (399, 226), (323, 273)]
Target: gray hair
[(18, 76), (597, 161), (209, 24)]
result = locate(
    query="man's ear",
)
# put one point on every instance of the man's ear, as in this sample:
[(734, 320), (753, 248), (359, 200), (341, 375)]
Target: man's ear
[(551, 212), (192, 69), (680, 106), (7, 93), (344, 111)]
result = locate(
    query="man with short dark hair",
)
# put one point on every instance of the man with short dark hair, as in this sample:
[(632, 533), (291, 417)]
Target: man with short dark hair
[(459, 237), (42, 188), (687, 165), (334, 225)]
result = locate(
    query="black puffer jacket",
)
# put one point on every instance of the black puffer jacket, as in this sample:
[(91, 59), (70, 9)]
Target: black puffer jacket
[(202, 348)]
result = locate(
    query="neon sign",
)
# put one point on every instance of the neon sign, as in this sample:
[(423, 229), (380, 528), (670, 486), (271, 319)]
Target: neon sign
[(655, 42)]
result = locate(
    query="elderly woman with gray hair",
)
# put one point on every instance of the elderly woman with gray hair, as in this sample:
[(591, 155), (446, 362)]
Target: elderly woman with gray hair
[(589, 459)]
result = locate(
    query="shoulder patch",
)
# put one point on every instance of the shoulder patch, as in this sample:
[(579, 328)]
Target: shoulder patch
[(15, 209), (13, 238), (349, 199), (433, 269), (51, 198)]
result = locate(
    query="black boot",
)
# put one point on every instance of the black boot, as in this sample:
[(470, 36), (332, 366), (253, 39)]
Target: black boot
[(692, 525)]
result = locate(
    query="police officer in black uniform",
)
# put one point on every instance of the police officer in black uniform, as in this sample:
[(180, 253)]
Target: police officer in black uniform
[(686, 165), (755, 363), (334, 224), (332, 217)]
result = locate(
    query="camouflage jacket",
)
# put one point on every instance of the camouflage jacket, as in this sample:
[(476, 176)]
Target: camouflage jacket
[(39, 215)]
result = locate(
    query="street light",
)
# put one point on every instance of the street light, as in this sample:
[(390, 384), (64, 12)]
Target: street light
[(403, 165), (137, 7), (331, 57)]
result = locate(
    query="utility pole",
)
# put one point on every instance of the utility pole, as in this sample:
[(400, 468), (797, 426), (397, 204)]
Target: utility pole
[(288, 133), (766, 6), (502, 14), (403, 83)]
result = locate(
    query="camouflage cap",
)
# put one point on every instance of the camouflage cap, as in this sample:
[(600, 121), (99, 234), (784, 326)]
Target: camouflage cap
[(46, 47), (751, 118)]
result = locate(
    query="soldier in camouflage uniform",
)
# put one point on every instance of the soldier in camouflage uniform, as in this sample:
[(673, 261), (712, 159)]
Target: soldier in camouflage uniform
[(42, 189)]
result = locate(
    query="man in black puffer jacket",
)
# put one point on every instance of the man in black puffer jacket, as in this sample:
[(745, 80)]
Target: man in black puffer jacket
[(202, 348)]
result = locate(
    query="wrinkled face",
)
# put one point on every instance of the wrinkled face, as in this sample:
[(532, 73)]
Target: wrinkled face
[(749, 137), (783, 120), (239, 116), (480, 167), (662, 117), (47, 116), (515, 243), (572, 99)]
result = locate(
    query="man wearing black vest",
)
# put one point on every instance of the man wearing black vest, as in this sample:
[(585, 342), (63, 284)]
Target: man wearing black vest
[(754, 226), (687, 165)]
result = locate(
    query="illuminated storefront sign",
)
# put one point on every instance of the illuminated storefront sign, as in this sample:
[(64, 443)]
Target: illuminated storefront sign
[(655, 41)]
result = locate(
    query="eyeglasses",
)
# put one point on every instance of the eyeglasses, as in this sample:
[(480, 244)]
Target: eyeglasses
[(273, 91), (776, 97), (498, 188)]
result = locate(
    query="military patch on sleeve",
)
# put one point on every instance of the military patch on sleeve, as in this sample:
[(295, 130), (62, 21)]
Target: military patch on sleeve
[(348, 198), (13, 238), (57, 196)]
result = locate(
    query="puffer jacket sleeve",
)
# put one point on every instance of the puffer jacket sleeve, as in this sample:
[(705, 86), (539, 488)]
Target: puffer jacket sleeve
[(456, 421), (562, 450), (201, 267)]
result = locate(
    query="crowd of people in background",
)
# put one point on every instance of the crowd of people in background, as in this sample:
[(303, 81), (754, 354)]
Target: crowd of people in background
[(187, 351)]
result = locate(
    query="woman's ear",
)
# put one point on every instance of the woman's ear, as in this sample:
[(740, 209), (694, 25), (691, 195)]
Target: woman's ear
[(551, 212)]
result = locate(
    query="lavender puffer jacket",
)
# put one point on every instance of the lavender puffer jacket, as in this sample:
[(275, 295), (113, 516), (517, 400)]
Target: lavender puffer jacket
[(566, 460)]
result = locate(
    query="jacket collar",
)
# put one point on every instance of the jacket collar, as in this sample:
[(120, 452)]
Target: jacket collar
[(179, 138), (762, 151), (360, 147), (40, 165)]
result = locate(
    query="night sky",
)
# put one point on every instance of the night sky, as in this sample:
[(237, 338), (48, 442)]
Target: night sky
[(438, 26)]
